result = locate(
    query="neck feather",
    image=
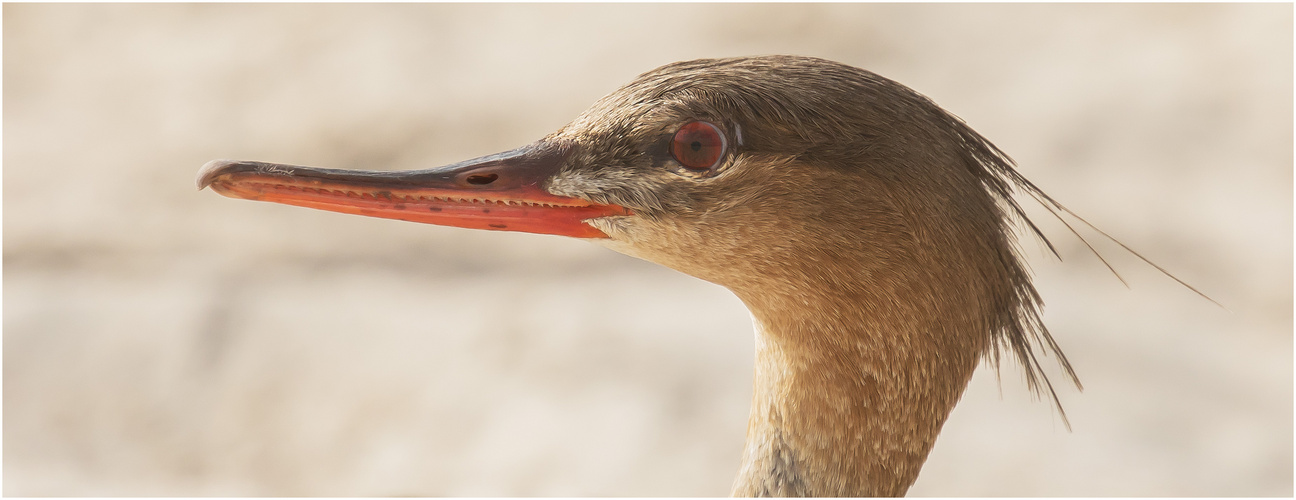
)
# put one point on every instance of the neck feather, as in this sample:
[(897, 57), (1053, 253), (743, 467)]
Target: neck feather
[(851, 390)]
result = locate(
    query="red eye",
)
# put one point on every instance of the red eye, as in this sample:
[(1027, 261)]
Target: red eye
[(698, 145)]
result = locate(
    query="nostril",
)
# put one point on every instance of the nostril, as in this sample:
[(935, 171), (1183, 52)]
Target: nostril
[(481, 179)]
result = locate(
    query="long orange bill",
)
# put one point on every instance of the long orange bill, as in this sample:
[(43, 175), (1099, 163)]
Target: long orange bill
[(500, 192)]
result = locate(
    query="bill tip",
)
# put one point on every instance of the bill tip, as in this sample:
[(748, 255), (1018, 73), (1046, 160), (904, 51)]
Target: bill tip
[(210, 171)]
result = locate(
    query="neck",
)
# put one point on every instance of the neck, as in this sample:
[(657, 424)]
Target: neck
[(849, 398)]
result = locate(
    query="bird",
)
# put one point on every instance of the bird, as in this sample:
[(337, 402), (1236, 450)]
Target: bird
[(871, 234)]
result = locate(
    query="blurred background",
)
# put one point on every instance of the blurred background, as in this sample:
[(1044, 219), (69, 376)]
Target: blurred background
[(159, 340)]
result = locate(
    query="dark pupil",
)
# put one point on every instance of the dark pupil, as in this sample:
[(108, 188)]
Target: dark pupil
[(697, 145)]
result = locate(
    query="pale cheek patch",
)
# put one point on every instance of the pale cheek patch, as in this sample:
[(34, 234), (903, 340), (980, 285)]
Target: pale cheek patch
[(564, 184), (578, 185)]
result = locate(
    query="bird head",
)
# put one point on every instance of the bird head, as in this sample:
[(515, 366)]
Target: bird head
[(725, 169)]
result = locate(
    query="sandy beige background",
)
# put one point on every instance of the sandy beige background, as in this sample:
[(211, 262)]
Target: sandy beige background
[(164, 341)]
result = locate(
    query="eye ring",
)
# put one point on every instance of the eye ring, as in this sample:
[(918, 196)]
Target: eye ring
[(699, 145)]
